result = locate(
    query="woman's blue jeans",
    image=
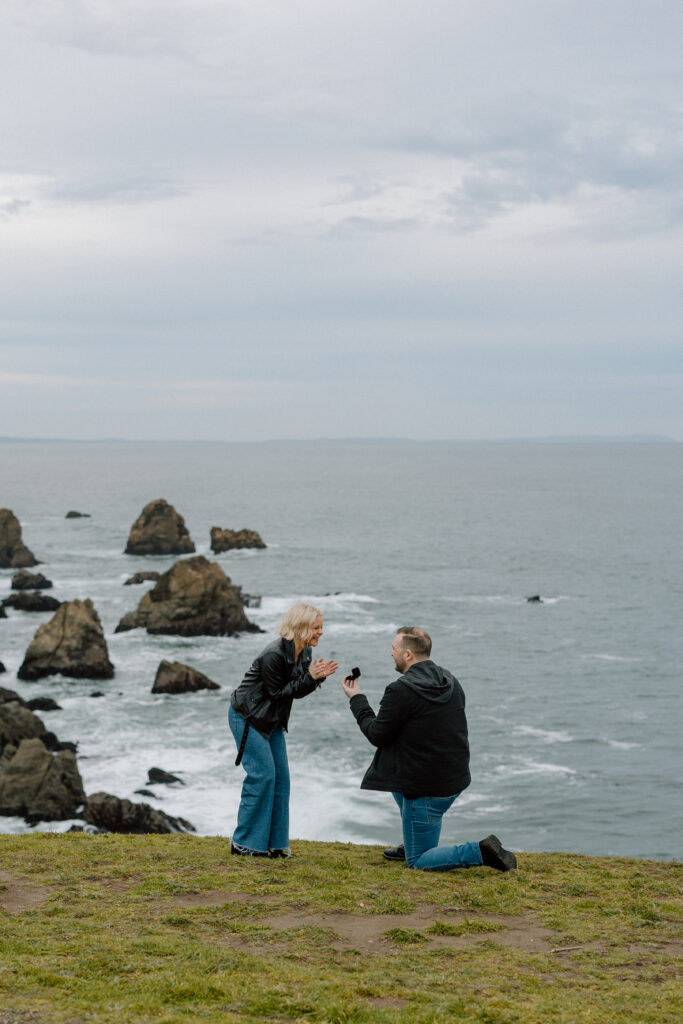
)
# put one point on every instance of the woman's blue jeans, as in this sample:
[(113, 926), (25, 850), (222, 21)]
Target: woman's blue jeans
[(421, 830), (263, 816)]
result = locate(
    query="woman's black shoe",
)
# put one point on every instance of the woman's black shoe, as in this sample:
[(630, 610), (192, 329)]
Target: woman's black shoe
[(395, 853), (244, 851), (281, 853)]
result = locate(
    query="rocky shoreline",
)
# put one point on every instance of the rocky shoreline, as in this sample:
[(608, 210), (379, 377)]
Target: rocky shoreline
[(39, 776)]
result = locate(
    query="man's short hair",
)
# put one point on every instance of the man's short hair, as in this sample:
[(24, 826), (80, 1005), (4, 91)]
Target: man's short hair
[(415, 639)]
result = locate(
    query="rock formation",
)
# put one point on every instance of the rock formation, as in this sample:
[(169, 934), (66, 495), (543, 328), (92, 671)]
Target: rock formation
[(228, 540), (194, 598), (71, 644), (31, 601), (2, 667), (142, 577), (72, 514), (174, 677), (114, 815), (159, 530), (25, 580), (43, 704), (13, 552), (39, 785), (162, 777), (17, 723)]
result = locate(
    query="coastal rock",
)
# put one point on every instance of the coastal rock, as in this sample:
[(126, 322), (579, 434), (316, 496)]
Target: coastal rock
[(13, 552), (115, 815), (72, 514), (194, 598), (174, 677), (31, 601), (3, 613), (159, 530), (229, 540), (71, 644), (17, 723), (142, 577), (2, 667), (251, 600), (39, 785), (43, 704), (25, 580), (7, 696), (160, 776)]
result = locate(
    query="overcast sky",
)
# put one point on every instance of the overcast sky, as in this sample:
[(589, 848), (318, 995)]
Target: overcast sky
[(308, 218)]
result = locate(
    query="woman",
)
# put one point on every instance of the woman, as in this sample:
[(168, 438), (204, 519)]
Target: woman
[(258, 717)]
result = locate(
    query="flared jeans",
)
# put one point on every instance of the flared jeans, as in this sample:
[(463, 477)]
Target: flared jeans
[(263, 816), (421, 820)]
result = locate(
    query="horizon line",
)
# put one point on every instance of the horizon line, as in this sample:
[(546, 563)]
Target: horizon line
[(376, 439)]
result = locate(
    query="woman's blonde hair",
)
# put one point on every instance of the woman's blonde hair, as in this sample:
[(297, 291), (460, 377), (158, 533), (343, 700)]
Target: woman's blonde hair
[(298, 622)]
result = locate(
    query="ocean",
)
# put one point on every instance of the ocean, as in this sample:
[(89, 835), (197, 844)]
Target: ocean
[(573, 701)]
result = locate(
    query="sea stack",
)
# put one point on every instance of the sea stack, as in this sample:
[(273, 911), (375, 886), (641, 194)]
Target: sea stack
[(159, 530), (230, 540), (39, 785), (13, 552), (112, 814), (25, 580), (174, 677), (194, 598), (71, 644)]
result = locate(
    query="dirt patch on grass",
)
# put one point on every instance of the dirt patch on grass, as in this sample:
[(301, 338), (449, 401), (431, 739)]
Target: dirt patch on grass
[(112, 885), (385, 933), (19, 1017), (17, 895), (387, 1002), (217, 897)]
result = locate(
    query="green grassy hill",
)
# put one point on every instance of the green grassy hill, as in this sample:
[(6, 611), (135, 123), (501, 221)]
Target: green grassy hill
[(171, 929)]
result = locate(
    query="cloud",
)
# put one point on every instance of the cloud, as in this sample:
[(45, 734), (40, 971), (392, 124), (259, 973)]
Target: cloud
[(215, 193), (121, 190), (187, 30), (13, 207)]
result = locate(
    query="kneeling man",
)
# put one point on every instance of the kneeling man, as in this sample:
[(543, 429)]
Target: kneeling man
[(422, 756)]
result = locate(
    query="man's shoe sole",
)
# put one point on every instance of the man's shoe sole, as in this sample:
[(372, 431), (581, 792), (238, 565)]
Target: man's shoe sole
[(396, 853)]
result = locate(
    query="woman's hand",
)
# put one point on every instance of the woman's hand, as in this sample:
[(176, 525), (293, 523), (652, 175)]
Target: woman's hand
[(351, 687), (320, 669)]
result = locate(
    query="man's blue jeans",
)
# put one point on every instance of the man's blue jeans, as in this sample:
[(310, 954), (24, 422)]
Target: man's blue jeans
[(421, 830), (263, 816)]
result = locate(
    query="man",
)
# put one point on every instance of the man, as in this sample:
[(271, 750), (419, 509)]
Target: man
[(422, 756)]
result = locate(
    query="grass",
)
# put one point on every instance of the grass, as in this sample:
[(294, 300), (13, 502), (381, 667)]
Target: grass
[(172, 929)]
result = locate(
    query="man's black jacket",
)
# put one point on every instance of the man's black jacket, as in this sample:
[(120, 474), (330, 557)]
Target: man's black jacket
[(420, 731), (273, 680)]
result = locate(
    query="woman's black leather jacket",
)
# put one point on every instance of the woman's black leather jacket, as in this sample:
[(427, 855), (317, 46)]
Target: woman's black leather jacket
[(273, 680)]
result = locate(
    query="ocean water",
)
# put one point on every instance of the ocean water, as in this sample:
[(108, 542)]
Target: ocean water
[(574, 703)]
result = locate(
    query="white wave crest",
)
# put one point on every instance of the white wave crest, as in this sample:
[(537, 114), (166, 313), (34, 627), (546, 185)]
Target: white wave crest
[(546, 735), (528, 767)]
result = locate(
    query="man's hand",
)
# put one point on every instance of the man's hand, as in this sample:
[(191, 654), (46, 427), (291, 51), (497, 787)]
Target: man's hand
[(350, 686), (320, 669)]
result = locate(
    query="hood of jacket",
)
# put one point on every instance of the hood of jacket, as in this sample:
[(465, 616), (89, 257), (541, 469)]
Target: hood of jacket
[(431, 681)]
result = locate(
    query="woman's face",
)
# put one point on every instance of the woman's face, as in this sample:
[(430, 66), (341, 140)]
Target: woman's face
[(316, 632)]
